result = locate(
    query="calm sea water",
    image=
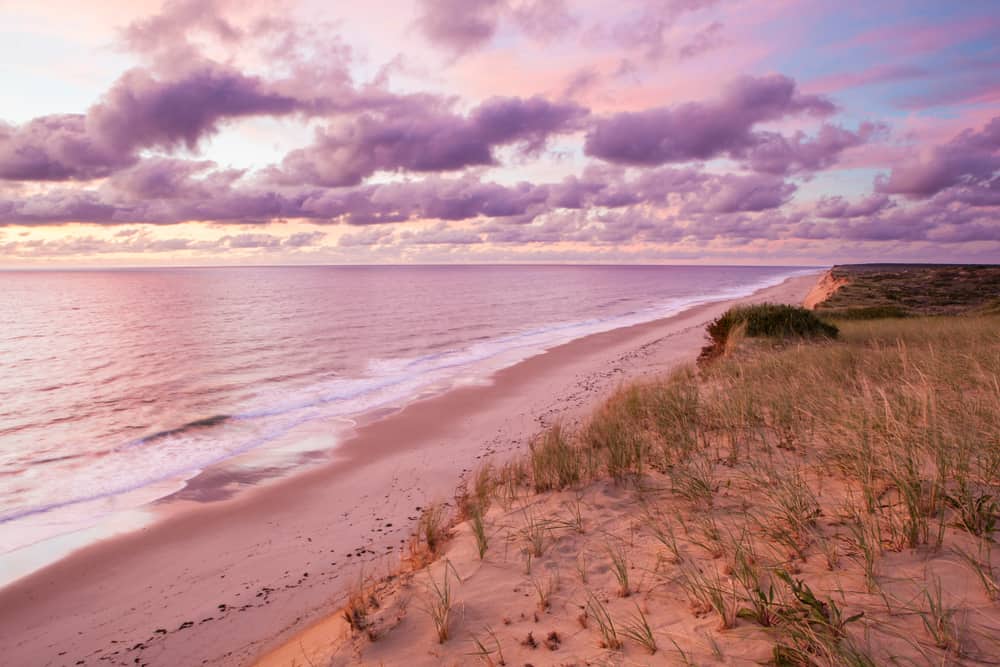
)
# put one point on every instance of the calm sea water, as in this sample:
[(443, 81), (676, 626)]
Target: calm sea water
[(117, 386)]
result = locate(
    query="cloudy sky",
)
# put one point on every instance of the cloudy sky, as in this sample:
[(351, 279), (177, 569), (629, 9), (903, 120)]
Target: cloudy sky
[(270, 132)]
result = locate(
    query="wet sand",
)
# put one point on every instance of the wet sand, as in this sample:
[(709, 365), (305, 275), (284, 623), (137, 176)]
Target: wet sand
[(222, 582)]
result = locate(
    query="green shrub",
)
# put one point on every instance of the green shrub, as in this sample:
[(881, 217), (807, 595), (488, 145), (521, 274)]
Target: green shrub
[(766, 320)]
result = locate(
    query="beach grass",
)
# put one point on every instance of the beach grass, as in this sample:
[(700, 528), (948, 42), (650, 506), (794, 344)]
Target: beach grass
[(814, 495)]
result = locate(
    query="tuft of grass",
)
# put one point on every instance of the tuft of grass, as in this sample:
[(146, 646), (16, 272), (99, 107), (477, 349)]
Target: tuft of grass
[(605, 624), (757, 589), (978, 511), (544, 590), (939, 619), (615, 429), (509, 480), (484, 487), (694, 480), (432, 531), (486, 653), (983, 568), (620, 567), (708, 594), (475, 495), (637, 629), (709, 536), (673, 414), (825, 617), (359, 601), (438, 604), (555, 464), (792, 509), (575, 520), (478, 524), (535, 533), (812, 628), (864, 535), (663, 531)]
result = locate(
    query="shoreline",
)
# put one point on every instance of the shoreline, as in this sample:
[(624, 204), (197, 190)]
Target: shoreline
[(226, 581), (44, 533)]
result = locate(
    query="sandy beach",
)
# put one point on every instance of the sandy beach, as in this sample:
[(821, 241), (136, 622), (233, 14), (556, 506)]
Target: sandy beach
[(225, 582)]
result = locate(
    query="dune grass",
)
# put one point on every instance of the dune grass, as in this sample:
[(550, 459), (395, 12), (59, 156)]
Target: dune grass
[(554, 464), (768, 478)]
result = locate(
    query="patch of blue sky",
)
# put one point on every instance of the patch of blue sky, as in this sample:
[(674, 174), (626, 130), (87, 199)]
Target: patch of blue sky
[(852, 184)]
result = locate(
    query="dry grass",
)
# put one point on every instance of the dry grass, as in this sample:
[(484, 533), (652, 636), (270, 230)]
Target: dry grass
[(785, 490), (438, 604), (360, 601), (554, 463), (432, 531)]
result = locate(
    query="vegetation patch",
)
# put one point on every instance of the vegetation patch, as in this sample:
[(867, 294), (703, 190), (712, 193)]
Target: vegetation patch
[(864, 313), (766, 320), (914, 289)]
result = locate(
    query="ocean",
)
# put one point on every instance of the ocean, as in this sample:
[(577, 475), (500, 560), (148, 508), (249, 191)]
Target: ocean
[(118, 386)]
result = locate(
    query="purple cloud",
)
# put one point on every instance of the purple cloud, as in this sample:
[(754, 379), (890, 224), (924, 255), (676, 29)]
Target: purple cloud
[(604, 205), (701, 130), (459, 25), (56, 148), (366, 237), (646, 31), (732, 193), (838, 207), (703, 41), (432, 198), (775, 154), (303, 239), (158, 178), (141, 241), (442, 234), (971, 160), (544, 19), (171, 26), (425, 137), (936, 220), (139, 112)]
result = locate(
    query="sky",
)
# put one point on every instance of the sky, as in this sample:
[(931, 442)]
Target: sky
[(246, 132)]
